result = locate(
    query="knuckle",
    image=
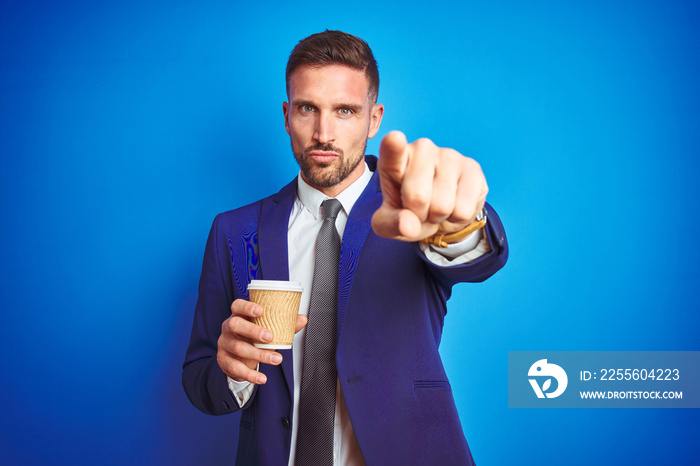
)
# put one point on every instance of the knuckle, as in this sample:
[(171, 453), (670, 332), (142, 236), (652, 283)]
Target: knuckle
[(236, 306), (441, 209), (470, 164), (238, 348), (240, 307), (236, 324), (226, 328), (450, 157), (423, 143), (464, 214), (227, 325), (415, 198)]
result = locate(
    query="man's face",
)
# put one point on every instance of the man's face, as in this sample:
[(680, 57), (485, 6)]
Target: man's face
[(329, 117)]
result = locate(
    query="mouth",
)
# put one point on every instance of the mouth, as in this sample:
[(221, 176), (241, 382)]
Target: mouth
[(321, 156)]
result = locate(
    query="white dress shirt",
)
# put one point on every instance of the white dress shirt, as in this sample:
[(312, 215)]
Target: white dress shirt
[(304, 224)]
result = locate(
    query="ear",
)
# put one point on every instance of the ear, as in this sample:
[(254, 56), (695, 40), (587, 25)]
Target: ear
[(375, 120), (285, 110)]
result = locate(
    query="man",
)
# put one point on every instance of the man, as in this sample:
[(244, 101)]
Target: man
[(392, 403)]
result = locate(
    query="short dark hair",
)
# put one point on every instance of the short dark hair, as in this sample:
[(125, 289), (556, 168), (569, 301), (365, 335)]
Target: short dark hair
[(335, 48)]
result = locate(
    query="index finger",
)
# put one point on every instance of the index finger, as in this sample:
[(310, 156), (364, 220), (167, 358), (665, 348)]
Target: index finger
[(393, 155), (241, 307)]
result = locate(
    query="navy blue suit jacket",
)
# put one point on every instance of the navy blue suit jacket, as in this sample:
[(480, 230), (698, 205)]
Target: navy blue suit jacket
[(391, 308)]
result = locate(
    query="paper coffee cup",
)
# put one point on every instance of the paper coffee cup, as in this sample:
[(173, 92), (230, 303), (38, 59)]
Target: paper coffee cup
[(280, 302)]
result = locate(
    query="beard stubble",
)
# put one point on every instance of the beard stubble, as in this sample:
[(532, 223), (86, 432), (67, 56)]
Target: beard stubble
[(326, 175)]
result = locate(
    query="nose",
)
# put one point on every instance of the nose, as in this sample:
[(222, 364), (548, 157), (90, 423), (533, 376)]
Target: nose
[(324, 131)]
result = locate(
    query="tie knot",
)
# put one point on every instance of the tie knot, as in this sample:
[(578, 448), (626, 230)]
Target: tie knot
[(331, 207)]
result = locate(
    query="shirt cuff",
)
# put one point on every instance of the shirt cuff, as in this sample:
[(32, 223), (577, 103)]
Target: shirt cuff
[(242, 391), (470, 248)]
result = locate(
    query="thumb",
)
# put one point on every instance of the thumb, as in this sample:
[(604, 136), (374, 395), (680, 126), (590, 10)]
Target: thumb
[(401, 224)]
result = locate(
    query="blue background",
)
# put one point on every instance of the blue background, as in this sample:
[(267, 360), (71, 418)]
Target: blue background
[(126, 126)]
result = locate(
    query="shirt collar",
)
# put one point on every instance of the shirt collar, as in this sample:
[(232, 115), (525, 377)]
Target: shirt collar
[(312, 198)]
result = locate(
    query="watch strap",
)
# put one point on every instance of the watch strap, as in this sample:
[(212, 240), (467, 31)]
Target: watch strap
[(443, 240)]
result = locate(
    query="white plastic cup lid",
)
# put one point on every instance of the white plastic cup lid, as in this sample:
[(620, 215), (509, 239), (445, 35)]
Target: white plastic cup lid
[(275, 285)]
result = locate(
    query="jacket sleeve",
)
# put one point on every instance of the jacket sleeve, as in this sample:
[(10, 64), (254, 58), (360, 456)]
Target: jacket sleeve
[(482, 267), (204, 382)]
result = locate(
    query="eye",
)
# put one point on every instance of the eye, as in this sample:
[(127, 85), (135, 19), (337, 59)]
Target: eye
[(306, 108), (345, 111)]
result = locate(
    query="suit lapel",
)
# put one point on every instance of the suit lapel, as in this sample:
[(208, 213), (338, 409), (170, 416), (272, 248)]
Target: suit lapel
[(272, 244), (356, 231)]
